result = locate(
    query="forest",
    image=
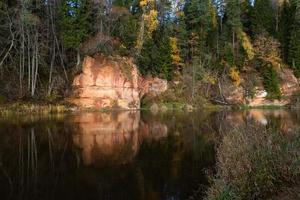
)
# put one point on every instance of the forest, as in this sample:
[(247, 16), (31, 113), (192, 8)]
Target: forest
[(150, 99), (200, 42)]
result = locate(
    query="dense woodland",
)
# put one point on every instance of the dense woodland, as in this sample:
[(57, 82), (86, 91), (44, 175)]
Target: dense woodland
[(43, 42)]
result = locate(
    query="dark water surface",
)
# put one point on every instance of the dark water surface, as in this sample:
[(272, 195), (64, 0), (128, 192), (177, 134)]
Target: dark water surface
[(125, 155)]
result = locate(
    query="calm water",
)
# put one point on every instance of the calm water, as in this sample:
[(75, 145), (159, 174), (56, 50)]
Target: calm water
[(126, 155)]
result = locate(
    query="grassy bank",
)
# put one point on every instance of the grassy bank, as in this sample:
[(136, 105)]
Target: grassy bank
[(254, 163), (33, 107), (267, 107)]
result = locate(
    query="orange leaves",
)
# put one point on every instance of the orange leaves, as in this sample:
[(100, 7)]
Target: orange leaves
[(235, 76), (175, 51)]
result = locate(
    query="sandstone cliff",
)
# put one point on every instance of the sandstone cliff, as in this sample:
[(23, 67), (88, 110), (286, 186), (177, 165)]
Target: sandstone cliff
[(239, 95), (112, 82)]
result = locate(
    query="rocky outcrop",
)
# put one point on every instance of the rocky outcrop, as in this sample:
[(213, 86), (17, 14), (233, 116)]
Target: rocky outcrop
[(289, 85), (112, 82)]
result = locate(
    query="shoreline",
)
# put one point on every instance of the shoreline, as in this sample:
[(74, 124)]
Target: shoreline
[(42, 107)]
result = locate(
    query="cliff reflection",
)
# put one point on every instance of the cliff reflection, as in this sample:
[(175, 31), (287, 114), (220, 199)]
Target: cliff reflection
[(113, 138), (155, 156), (283, 119)]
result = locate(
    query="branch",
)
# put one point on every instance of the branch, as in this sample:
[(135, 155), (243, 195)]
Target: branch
[(12, 42)]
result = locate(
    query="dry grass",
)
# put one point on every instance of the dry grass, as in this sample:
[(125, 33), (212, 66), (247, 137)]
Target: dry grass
[(254, 162), (31, 108)]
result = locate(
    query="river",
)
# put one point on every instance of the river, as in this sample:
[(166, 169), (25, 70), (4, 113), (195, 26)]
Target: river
[(118, 155)]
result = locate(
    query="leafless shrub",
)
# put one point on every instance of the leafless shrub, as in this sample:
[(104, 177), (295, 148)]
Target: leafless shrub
[(253, 162)]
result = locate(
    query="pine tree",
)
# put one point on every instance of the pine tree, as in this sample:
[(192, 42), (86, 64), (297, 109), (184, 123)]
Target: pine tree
[(285, 26), (180, 32), (246, 16), (240, 40), (74, 22), (294, 53), (233, 14), (271, 82), (263, 17), (201, 22), (156, 55)]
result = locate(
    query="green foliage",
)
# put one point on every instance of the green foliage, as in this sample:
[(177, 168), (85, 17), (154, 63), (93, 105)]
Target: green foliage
[(246, 16), (226, 194), (228, 56), (201, 25), (3, 99), (126, 30), (209, 37), (271, 83), (180, 32), (156, 56), (233, 13), (74, 22), (285, 27), (263, 17), (294, 53)]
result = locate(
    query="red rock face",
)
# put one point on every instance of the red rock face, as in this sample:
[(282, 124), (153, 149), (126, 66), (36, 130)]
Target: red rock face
[(107, 82), (289, 85)]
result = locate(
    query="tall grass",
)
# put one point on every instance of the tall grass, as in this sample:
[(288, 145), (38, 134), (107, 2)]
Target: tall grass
[(26, 108), (254, 162)]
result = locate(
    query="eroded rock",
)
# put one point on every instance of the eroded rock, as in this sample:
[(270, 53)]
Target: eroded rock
[(288, 83), (112, 82)]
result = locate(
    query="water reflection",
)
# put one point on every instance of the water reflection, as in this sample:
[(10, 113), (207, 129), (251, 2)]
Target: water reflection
[(125, 155), (113, 137), (283, 119), (107, 137)]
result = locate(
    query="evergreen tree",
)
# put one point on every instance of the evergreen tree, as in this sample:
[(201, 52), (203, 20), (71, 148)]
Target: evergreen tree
[(180, 32), (156, 55), (271, 82), (126, 27), (263, 17), (241, 47), (201, 23), (246, 16), (285, 26), (74, 22), (294, 53), (233, 14)]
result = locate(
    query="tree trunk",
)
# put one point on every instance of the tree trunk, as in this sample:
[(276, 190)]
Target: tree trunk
[(140, 40), (233, 46)]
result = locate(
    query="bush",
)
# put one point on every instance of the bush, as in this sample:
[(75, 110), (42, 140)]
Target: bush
[(271, 82), (235, 76), (253, 162)]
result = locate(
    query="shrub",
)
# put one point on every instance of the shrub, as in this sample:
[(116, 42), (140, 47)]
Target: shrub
[(253, 162), (271, 83), (268, 49), (246, 44), (235, 76)]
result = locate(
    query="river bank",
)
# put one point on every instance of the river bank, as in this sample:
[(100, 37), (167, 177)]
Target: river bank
[(45, 107)]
